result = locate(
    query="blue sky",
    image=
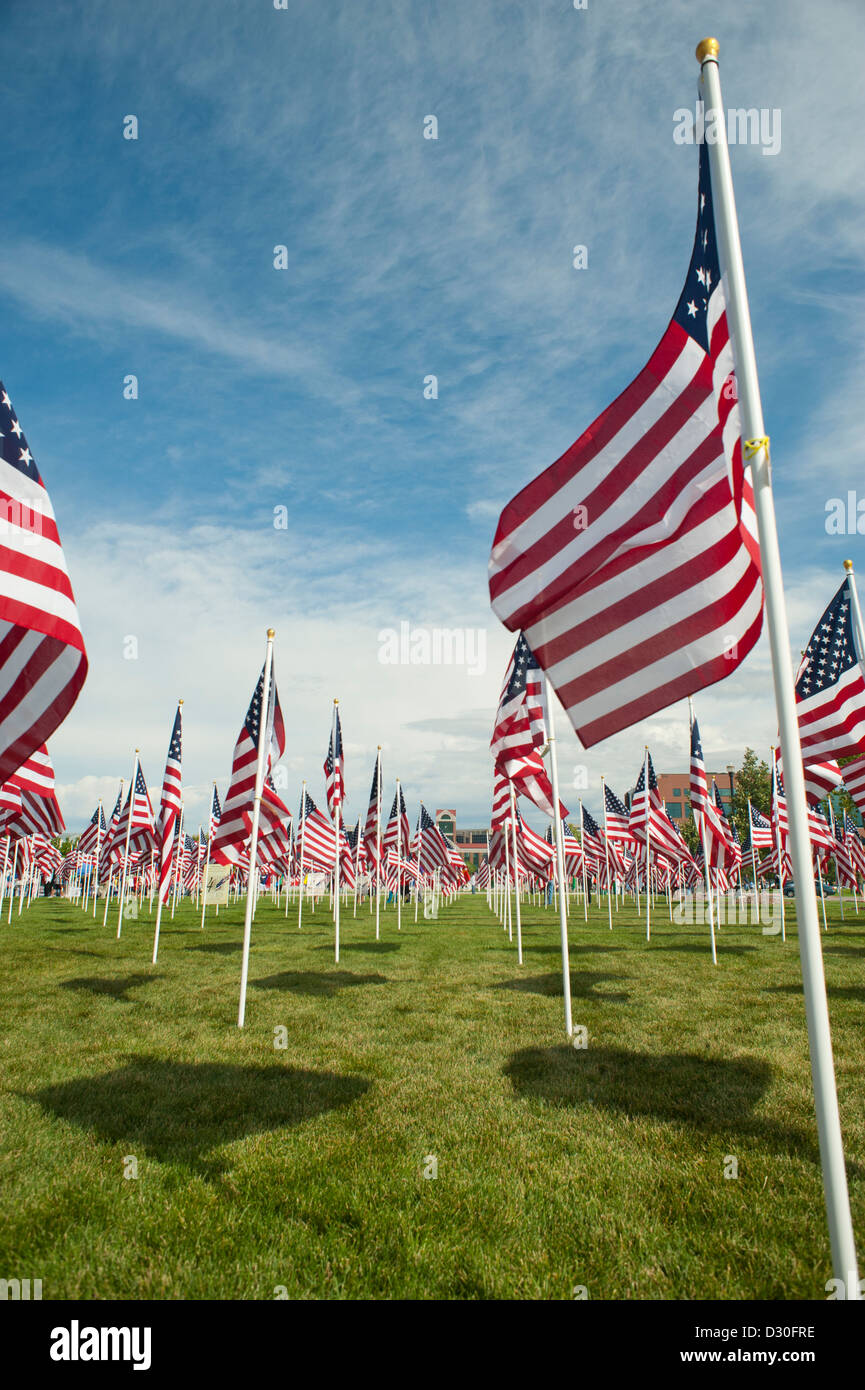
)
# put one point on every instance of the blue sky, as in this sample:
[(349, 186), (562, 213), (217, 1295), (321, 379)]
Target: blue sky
[(407, 257)]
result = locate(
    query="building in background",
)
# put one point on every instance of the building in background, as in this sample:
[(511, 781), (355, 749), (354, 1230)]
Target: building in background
[(675, 791), (472, 844)]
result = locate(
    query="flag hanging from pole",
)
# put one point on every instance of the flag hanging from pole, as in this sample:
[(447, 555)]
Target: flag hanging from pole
[(372, 825), (632, 563), (42, 659), (93, 833), (520, 729), (40, 813), (398, 829), (830, 687), (233, 831), (334, 768), (169, 808)]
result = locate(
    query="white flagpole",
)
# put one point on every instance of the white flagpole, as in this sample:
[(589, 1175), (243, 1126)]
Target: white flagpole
[(126, 847), (516, 875), (377, 841), (356, 865), (835, 861), (705, 849), (398, 859), (648, 845), (178, 871), (753, 864), (302, 833), (607, 854), (12, 884), (263, 732), (755, 446), (336, 828), (858, 626), (777, 819), (560, 858), (417, 884), (210, 829), (583, 848), (98, 849), (508, 917)]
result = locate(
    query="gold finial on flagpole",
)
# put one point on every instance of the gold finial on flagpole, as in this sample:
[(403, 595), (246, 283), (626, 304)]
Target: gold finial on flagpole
[(271, 632), (180, 702), (707, 48), (848, 565)]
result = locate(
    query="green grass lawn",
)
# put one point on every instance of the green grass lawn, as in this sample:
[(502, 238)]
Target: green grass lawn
[(303, 1167)]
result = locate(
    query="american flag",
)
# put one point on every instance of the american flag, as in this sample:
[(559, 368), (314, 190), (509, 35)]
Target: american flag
[(821, 779), (137, 818), (820, 831), (725, 852), (761, 829), (10, 803), (372, 827), (42, 659), (571, 850), (169, 808), (708, 811), (108, 842), (855, 847), (830, 689), (648, 817), (533, 851), (501, 808), (520, 730), (632, 563), (235, 822), (397, 827), (40, 813), (854, 780), (616, 821), (780, 822), (433, 850), (319, 842), (215, 813), (699, 784), (593, 840), (334, 768), (93, 833), (840, 852), (47, 856)]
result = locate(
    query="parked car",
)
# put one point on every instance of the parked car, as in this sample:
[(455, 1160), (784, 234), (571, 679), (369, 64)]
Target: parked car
[(828, 888)]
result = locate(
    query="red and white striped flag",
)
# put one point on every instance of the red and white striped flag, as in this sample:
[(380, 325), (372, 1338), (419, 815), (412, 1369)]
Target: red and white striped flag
[(372, 826), (520, 729), (854, 780), (136, 819), (40, 813), (334, 768), (93, 833), (830, 687), (42, 659), (632, 563), (761, 835), (230, 839), (501, 808), (649, 820), (169, 808), (398, 832)]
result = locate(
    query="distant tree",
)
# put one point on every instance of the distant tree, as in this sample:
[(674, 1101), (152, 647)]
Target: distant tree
[(689, 834)]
